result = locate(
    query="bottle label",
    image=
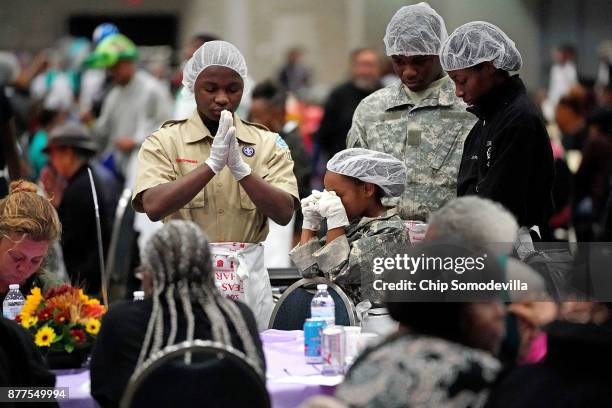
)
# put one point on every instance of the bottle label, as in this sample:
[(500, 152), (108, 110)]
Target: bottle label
[(11, 312)]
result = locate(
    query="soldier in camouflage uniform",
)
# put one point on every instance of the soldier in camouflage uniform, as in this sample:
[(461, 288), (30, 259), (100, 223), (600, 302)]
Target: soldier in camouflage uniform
[(419, 119), (360, 228)]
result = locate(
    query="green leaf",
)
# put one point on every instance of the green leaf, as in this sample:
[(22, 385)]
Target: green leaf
[(58, 338), (69, 347)]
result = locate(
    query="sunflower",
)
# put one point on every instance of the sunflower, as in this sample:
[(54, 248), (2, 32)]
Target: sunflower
[(29, 322), (31, 304), (44, 337), (92, 326)]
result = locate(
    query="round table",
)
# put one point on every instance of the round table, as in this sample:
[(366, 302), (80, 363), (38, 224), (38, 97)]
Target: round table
[(290, 381)]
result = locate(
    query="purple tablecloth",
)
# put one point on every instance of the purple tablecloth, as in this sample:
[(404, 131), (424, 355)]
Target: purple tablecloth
[(284, 351)]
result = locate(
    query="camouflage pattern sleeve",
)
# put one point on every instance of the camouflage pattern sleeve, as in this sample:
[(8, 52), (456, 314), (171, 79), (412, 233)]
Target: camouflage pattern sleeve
[(333, 256), (302, 257), (356, 136), (349, 263)]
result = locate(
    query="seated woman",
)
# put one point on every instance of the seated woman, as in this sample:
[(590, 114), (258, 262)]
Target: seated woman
[(184, 305), (359, 227), (443, 353), (28, 225)]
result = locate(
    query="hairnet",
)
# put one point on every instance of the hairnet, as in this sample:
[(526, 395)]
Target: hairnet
[(477, 42), (370, 166), (217, 53), (415, 30)]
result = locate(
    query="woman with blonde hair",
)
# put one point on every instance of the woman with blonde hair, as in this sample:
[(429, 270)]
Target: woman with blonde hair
[(28, 226)]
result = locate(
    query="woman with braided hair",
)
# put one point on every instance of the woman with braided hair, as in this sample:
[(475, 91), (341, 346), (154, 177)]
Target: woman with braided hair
[(183, 305), (28, 226)]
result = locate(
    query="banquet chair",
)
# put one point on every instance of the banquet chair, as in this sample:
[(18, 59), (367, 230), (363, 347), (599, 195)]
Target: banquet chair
[(293, 308), (121, 248), (217, 376)]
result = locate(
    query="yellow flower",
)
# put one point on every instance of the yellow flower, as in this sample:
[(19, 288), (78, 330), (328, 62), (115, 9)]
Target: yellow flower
[(44, 337), (83, 296), (92, 326), (31, 304), (29, 322), (93, 302)]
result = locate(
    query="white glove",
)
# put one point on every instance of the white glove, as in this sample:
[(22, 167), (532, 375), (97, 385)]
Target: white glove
[(312, 219), (330, 207), (220, 148), (237, 166)]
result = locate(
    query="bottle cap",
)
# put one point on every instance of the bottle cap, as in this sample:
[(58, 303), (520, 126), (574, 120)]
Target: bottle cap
[(322, 286), (14, 286)]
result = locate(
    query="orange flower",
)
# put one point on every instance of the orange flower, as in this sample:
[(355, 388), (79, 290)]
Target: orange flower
[(93, 310)]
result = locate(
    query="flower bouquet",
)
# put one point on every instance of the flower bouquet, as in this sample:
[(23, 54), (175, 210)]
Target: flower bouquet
[(62, 321)]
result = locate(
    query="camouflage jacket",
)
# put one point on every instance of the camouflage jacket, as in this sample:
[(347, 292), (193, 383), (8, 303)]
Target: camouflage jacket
[(427, 136), (348, 259)]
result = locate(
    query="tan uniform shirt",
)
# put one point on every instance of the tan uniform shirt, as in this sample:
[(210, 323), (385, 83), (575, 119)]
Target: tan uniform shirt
[(223, 209)]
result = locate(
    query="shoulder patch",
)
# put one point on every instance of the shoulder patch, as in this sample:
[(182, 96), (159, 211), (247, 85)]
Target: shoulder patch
[(257, 125), (169, 123), (280, 142)]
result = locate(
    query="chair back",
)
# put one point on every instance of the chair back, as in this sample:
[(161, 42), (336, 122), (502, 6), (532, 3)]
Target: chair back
[(122, 246), (194, 374), (293, 308)]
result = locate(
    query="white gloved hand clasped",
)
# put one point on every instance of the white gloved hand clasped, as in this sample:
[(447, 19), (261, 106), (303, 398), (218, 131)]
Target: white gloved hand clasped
[(331, 208), (312, 219), (239, 168), (220, 147)]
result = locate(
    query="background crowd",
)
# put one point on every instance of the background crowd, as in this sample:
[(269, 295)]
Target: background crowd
[(412, 134)]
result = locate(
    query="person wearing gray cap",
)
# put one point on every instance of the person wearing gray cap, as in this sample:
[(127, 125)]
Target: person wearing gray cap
[(66, 181), (419, 120), (359, 227), (507, 156)]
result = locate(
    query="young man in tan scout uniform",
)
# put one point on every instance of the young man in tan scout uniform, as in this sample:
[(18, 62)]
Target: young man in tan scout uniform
[(228, 184)]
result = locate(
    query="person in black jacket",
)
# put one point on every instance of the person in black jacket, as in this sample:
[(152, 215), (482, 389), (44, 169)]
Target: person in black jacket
[(343, 100), (67, 182), (21, 364), (575, 372), (507, 156)]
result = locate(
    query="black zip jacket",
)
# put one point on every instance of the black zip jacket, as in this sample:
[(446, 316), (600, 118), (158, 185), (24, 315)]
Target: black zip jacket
[(507, 156)]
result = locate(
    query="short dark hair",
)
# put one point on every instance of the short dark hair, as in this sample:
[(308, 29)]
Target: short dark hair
[(274, 93), (379, 191), (568, 49), (574, 103), (205, 37), (432, 313), (46, 116)]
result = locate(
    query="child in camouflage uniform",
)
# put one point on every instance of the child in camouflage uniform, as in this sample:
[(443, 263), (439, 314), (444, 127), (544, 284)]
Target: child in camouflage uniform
[(359, 227)]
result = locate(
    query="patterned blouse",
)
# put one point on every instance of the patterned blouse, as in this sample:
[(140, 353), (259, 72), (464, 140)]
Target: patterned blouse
[(419, 371)]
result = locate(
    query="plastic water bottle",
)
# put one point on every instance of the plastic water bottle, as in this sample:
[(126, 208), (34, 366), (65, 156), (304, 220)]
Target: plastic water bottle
[(13, 302), (138, 295), (322, 305)]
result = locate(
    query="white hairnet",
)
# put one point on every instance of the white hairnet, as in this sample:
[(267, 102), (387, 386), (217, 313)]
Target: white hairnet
[(415, 30), (213, 53), (477, 42), (370, 166)]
